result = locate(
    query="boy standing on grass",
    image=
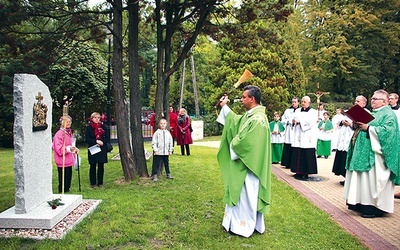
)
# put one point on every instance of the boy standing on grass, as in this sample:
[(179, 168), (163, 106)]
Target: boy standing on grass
[(162, 145)]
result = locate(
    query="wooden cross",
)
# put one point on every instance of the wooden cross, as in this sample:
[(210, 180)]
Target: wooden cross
[(39, 97), (318, 94)]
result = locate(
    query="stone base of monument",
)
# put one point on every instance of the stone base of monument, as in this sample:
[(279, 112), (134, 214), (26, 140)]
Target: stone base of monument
[(43, 216)]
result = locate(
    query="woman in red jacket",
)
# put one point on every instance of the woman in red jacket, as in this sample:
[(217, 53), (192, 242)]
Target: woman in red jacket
[(184, 133)]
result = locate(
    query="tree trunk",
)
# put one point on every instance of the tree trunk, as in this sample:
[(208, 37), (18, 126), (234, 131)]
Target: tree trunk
[(159, 101), (135, 102), (167, 60), (119, 95), (173, 18)]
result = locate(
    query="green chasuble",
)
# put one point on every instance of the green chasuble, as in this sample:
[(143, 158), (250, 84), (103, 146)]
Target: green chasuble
[(249, 135), (360, 156)]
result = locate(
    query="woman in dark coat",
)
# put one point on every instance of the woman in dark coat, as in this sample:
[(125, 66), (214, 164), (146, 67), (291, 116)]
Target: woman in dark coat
[(184, 133), (97, 134)]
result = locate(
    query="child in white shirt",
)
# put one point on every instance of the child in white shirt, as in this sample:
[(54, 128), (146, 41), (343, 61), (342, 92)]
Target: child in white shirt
[(162, 145)]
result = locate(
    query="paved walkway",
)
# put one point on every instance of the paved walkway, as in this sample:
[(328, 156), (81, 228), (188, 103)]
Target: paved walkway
[(378, 233)]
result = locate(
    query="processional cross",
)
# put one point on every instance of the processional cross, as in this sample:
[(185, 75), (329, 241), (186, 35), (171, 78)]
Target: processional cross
[(318, 94)]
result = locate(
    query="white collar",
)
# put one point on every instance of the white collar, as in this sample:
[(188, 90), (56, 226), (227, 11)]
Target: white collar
[(248, 112)]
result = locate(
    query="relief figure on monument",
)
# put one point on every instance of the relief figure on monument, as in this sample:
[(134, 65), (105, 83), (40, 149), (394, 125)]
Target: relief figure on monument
[(39, 114)]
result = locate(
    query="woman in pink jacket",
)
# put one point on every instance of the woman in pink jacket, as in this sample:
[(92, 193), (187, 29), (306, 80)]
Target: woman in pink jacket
[(64, 152)]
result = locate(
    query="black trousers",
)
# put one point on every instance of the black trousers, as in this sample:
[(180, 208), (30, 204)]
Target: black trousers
[(157, 159), (99, 174), (67, 179), (187, 149)]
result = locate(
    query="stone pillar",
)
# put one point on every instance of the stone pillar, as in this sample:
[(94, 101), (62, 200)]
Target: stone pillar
[(33, 160), (32, 149)]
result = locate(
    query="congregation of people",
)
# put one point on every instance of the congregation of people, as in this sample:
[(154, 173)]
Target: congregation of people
[(97, 136), (367, 155)]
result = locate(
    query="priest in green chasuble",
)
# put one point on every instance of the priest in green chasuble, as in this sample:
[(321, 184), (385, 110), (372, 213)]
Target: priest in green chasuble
[(245, 160), (373, 161)]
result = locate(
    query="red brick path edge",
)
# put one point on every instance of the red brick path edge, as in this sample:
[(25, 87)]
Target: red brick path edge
[(352, 226)]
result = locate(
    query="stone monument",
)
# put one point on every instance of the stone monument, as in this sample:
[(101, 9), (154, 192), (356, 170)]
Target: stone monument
[(33, 160), (198, 130)]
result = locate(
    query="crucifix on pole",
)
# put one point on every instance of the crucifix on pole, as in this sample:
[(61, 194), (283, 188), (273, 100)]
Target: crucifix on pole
[(318, 94)]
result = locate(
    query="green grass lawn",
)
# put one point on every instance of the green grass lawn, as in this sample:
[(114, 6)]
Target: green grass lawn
[(183, 213)]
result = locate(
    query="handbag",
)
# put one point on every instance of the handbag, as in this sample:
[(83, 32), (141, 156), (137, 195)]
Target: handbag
[(77, 162), (190, 128), (109, 147)]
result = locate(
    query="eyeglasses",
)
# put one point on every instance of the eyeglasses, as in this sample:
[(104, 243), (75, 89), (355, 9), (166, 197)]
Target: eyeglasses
[(375, 98)]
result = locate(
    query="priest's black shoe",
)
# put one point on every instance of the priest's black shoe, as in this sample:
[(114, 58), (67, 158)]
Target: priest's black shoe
[(353, 207), (301, 177), (298, 176), (371, 216)]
